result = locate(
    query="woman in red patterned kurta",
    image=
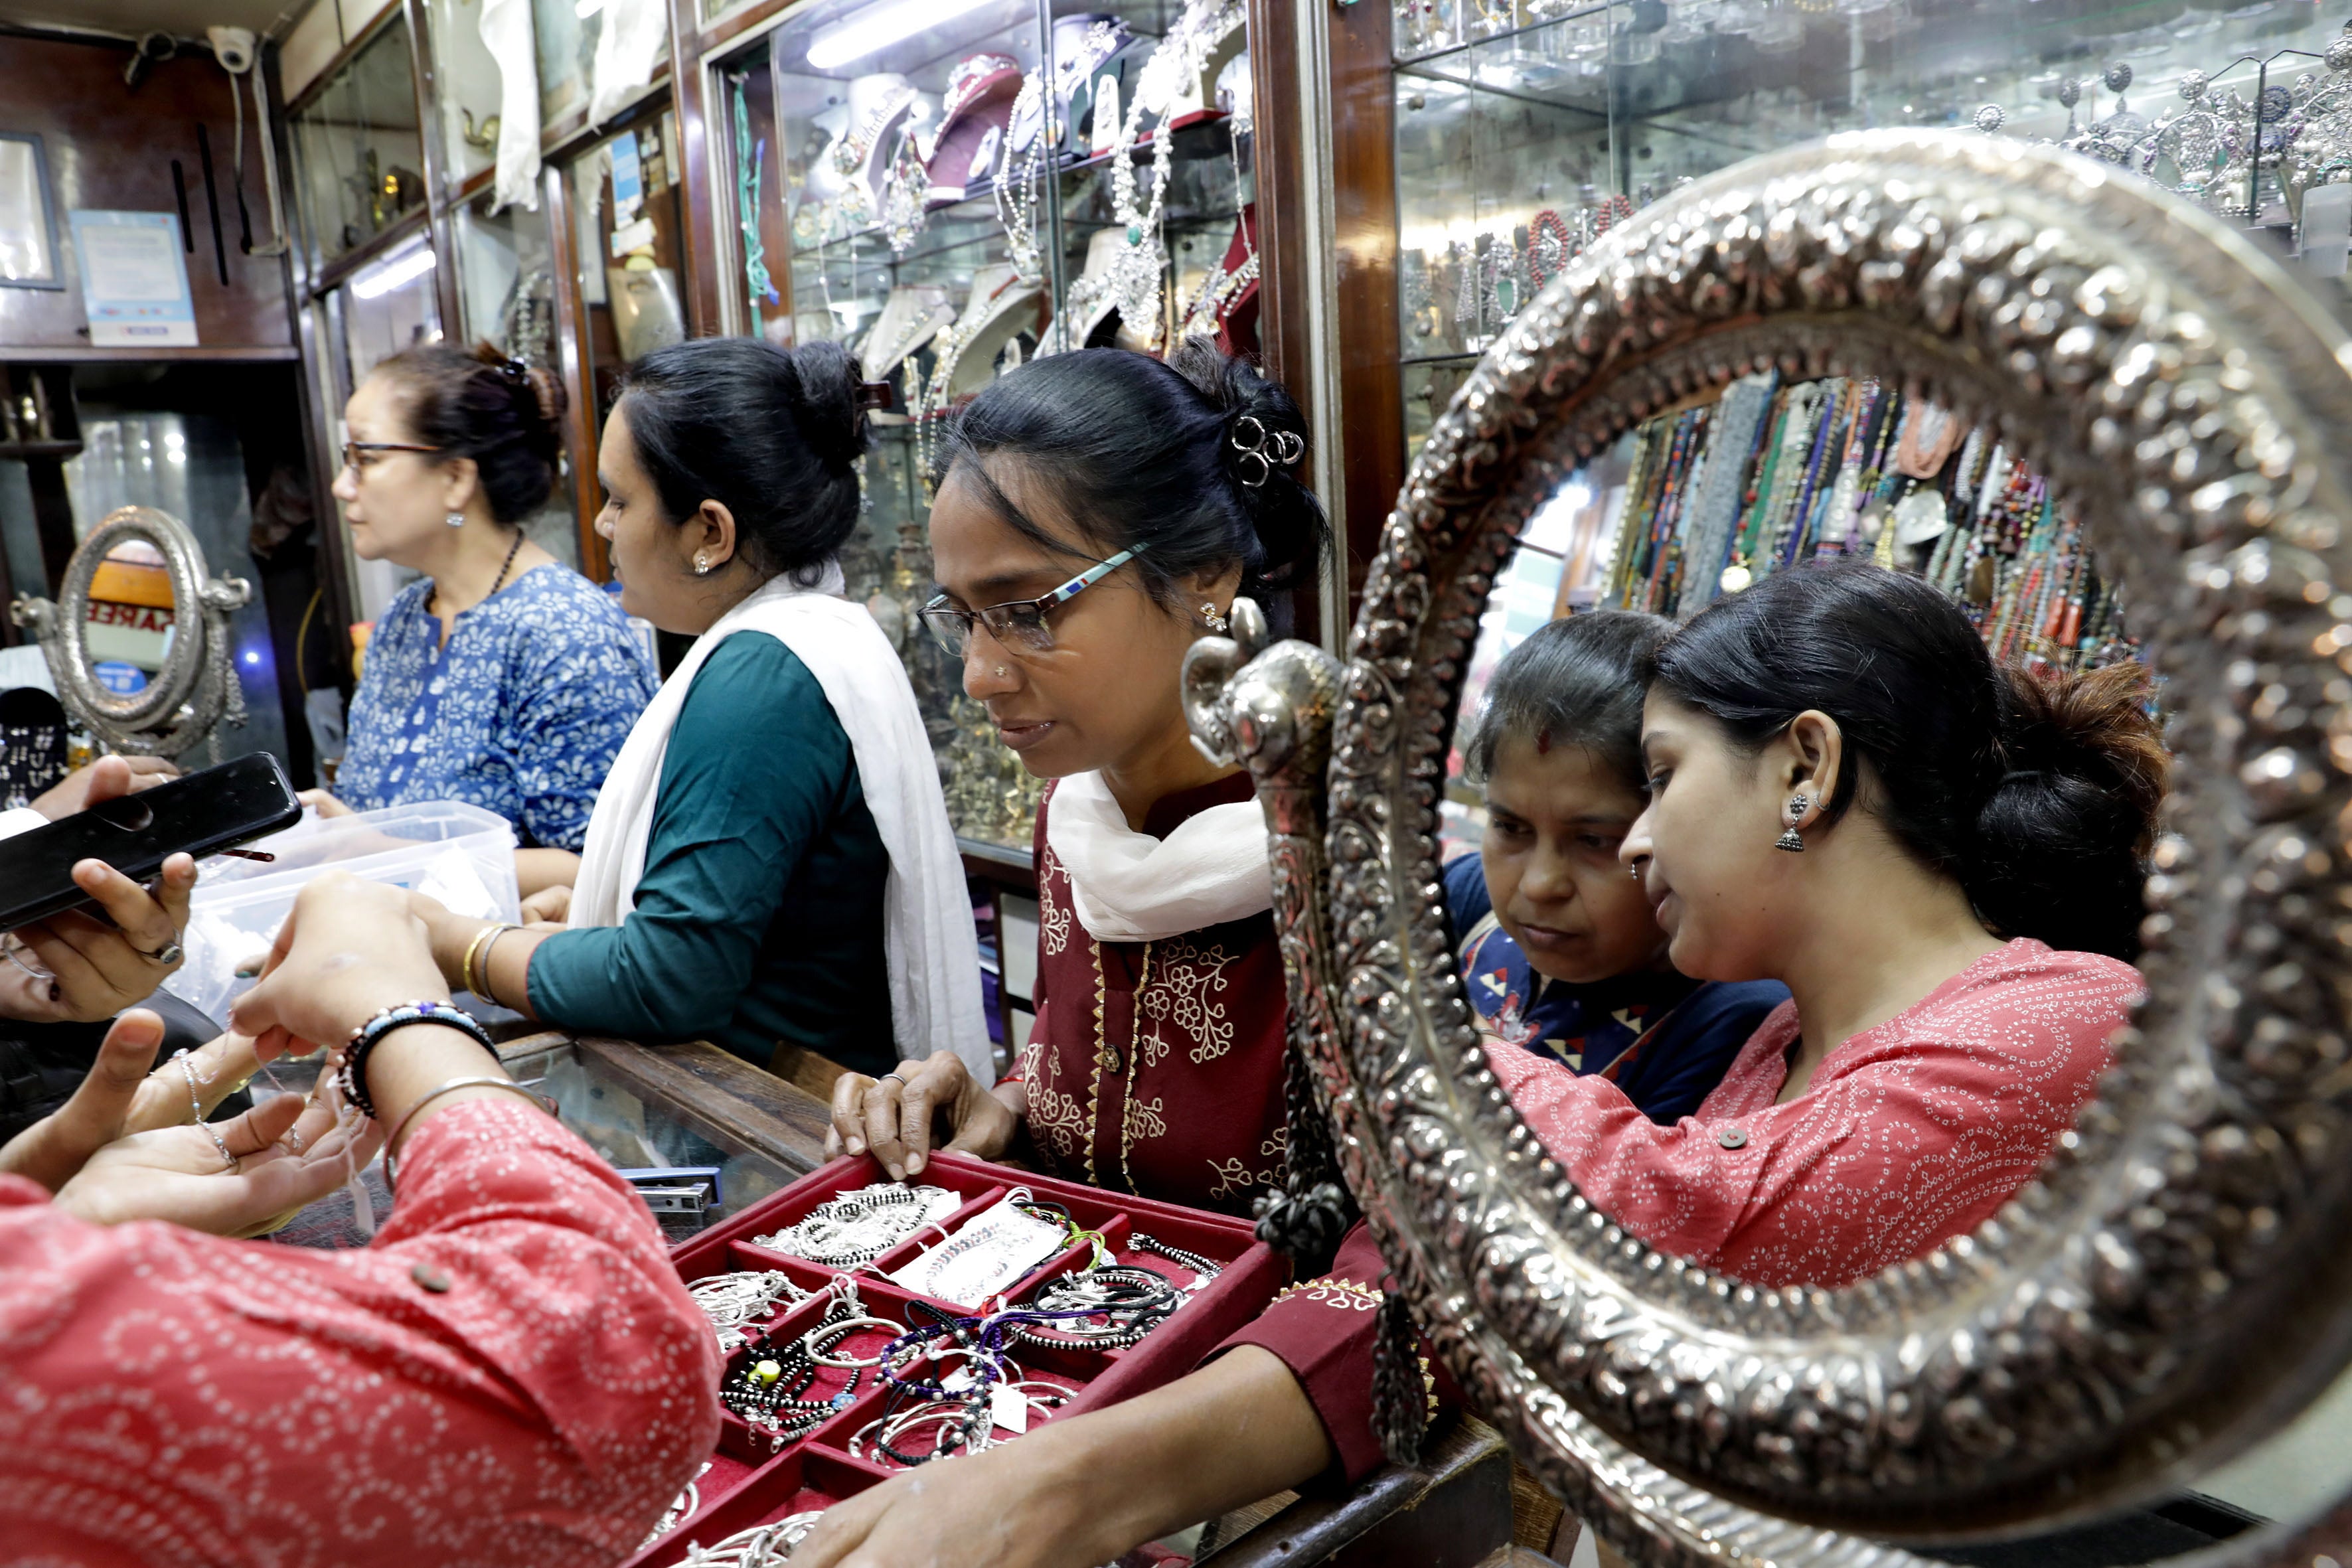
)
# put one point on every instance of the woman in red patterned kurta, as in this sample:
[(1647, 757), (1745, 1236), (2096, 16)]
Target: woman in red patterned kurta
[(512, 1374), (1157, 1062), (1952, 926)]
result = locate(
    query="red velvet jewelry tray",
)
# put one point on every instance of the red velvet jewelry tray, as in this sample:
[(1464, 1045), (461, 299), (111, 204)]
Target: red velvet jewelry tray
[(751, 1481)]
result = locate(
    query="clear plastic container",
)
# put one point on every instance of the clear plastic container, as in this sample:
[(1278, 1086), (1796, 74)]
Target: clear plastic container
[(459, 854)]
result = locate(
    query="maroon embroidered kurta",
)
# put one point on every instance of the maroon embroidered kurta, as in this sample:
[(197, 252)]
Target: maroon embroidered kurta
[(1155, 1067)]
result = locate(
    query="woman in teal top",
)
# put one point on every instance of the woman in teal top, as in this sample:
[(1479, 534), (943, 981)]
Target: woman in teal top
[(769, 860)]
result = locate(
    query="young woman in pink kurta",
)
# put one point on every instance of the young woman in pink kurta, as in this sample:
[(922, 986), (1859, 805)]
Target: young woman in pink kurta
[(1941, 858)]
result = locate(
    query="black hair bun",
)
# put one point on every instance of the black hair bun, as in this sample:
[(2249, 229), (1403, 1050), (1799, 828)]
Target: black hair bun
[(827, 381), (2068, 824), (1265, 460)]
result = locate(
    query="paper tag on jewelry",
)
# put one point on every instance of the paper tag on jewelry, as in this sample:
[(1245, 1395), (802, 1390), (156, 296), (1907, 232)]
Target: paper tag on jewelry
[(986, 1256), (1007, 1409), (957, 1381)]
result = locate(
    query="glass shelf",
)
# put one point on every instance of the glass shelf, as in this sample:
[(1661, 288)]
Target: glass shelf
[(833, 154), (358, 153)]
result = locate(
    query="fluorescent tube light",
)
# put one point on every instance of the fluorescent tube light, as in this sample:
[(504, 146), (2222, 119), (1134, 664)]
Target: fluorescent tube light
[(881, 27), (587, 8), (384, 280)]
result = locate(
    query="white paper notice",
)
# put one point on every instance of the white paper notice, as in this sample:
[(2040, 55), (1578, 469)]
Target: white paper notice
[(990, 1253), (134, 284)]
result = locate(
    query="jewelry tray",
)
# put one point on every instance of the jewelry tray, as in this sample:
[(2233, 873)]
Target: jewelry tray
[(750, 1483)]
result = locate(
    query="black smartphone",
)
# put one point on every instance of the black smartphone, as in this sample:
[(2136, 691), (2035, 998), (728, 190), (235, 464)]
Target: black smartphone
[(202, 813)]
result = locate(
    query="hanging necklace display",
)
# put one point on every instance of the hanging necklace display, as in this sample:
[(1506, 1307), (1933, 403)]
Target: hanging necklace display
[(904, 190), (748, 158), (1014, 191), (854, 1228), (1549, 246)]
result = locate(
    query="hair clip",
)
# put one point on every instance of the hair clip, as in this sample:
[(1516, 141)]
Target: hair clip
[(877, 395), (1288, 445), (514, 370)]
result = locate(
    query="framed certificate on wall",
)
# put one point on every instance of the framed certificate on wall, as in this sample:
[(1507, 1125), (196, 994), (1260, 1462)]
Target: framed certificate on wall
[(29, 215)]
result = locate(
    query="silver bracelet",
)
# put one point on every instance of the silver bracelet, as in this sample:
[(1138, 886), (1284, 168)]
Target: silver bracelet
[(390, 1174), (196, 1104), (482, 963)]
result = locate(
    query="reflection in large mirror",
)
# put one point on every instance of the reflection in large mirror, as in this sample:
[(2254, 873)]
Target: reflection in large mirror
[(1954, 531), (1807, 685)]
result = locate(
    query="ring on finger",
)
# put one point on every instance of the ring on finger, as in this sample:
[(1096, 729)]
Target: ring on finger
[(169, 953)]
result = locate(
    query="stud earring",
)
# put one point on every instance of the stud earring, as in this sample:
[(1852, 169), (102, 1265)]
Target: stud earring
[(1791, 839), (1217, 623), (456, 519), (701, 564)]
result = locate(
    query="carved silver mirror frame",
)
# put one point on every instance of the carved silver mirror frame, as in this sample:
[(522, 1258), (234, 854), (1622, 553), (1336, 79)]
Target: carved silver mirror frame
[(197, 683), (2177, 1283)]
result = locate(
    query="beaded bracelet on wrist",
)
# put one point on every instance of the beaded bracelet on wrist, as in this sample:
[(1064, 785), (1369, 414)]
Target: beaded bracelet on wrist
[(353, 1076)]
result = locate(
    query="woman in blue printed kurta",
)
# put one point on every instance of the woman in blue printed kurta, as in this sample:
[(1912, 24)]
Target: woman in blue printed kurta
[(504, 678), (521, 712)]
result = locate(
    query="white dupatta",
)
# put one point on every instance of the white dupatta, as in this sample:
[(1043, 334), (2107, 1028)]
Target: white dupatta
[(1126, 886), (932, 947)]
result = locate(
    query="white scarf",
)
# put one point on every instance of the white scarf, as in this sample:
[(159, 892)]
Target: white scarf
[(1126, 886), (933, 950)]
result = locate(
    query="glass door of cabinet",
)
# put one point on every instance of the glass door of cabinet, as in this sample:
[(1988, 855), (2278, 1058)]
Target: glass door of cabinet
[(951, 195), (629, 239), (359, 149)]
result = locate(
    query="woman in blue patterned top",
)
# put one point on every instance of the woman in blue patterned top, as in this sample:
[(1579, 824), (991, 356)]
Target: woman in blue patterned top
[(504, 678)]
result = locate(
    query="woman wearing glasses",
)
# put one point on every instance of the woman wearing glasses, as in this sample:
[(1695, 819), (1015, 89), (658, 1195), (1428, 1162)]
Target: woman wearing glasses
[(1096, 513), (769, 862), (503, 677)]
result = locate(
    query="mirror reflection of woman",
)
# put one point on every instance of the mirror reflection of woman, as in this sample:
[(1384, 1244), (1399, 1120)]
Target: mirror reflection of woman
[(1561, 951), (1941, 858), (1096, 513), (504, 678), (769, 863)]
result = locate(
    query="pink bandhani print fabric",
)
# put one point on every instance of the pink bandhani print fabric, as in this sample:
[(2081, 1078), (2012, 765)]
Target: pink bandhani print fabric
[(1911, 1134)]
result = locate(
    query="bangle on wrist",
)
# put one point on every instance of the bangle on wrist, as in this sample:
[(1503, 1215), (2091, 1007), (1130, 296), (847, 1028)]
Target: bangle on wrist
[(482, 987), (353, 1076), (482, 939), (428, 1097)]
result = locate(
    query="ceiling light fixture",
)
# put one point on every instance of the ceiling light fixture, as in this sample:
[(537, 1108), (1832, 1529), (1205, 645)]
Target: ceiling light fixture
[(879, 28), (391, 274)]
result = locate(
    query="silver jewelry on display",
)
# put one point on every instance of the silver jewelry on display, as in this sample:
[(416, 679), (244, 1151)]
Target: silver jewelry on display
[(851, 1230), (685, 1506), (733, 1302), (762, 1546)]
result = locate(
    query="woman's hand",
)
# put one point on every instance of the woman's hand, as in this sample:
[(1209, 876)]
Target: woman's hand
[(322, 803), (104, 779), (893, 1115), (348, 951), (548, 906), (118, 1096), (178, 1174), (989, 1510), (96, 970)]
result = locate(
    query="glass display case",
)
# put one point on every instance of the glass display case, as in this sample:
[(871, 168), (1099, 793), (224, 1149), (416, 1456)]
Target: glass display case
[(1523, 131), (506, 287), (629, 235), (358, 149), (467, 87), (565, 33), (952, 195)]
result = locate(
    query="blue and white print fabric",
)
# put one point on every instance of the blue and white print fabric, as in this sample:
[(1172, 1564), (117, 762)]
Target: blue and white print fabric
[(522, 712)]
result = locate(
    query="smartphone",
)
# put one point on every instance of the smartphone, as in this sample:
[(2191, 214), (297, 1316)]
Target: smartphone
[(201, 813)]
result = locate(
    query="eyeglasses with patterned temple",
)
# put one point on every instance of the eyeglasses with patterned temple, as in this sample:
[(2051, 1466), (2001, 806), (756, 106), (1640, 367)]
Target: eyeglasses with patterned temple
[(1020, 625), (358, 464)]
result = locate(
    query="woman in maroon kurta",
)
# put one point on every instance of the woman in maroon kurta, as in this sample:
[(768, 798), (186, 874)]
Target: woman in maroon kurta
[(1156, 1063)]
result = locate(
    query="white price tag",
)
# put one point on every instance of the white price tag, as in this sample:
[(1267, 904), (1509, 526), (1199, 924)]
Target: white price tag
[(1006, 1409), (957, 1381)]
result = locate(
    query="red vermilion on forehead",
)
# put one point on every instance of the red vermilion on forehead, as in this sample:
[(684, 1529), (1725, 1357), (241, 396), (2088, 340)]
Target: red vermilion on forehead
[(1543, 743)]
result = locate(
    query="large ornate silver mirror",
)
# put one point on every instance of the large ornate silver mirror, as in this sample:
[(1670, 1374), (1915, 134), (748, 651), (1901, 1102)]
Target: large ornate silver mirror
[(2174, 1286), (138, 640)]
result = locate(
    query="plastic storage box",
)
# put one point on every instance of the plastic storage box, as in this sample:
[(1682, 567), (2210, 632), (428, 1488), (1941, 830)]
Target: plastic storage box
[(752, 1482), (459, 854)]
